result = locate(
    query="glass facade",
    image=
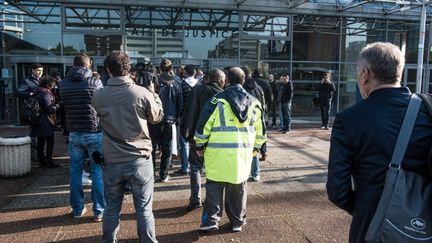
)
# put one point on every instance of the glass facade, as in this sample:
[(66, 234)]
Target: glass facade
[(303, 46)]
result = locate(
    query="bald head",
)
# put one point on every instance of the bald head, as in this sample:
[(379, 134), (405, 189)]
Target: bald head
[(236, 76)]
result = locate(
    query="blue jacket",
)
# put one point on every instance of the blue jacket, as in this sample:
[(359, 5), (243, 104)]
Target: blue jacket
[(362, 143), (76, 92), (28, 85)]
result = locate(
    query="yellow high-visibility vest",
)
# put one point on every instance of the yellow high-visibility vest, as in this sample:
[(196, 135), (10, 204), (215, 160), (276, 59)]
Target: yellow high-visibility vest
[(230, 143)]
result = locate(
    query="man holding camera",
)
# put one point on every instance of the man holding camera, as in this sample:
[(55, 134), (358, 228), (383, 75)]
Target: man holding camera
[(125, 109)]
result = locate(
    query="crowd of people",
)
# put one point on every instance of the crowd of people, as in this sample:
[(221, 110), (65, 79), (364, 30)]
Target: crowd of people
[(121, 125), (147, 112)]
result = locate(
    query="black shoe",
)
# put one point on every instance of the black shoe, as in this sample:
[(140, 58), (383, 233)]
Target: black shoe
[(193, 206), (285, 131), (180, 173), (281, 130)]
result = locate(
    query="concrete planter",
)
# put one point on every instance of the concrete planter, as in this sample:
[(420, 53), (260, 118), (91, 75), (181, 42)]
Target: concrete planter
[(15, 156)]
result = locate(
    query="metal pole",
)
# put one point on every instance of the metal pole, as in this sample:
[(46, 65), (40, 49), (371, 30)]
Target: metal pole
[(341, 23), (427, 73), (421, 49)]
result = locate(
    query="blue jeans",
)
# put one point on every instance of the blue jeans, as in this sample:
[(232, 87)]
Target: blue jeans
[(255, 170), (286, 114), (79, 144), (139, 175), (184, 154)]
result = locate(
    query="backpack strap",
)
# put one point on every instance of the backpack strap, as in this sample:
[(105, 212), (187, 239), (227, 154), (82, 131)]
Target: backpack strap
[(405, 131)]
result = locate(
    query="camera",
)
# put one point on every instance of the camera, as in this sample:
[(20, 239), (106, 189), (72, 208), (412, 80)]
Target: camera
[(145, 73)]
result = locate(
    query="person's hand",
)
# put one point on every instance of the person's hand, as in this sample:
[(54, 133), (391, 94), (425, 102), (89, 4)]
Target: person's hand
[(200, 153)]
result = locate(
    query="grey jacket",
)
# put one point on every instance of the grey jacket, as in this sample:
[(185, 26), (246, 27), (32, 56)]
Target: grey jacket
[(124, 109)]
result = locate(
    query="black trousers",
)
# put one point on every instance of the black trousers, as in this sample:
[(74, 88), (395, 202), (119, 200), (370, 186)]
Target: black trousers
[(45, 155), (162, 135), (325, 112)]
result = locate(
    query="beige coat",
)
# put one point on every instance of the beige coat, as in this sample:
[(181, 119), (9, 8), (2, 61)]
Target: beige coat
[(124, 109)]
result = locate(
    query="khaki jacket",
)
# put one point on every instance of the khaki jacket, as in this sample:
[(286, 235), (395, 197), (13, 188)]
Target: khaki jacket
[(124, 109)]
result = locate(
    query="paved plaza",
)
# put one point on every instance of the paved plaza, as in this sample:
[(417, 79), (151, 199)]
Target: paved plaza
[(289, 204)]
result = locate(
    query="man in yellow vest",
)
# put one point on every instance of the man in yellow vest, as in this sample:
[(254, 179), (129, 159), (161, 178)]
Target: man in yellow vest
[(230, 129)]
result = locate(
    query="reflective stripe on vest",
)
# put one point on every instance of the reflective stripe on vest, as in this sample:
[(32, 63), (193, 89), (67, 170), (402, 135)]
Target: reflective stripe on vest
[(229, 145), (200, 136)]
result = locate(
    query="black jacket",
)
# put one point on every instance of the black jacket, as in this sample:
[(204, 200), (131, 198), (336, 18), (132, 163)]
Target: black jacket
[(265, 86), (171, 96), (326, 91), (255, 90), (28, 85), (362, 143), (200, 94), (286, 92), (47, 107), (76, 92)]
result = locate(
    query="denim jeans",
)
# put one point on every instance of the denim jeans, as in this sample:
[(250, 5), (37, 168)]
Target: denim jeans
[(255, 170), (184, 154), (79, 144), (139, 175), (286, 114)]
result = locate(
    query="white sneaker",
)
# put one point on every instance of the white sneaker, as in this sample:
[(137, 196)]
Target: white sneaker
[(86, 181), (237, 229), (209, 227), (256, 178)]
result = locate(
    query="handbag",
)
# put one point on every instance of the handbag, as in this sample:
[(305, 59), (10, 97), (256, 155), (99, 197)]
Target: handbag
[(404, 212)]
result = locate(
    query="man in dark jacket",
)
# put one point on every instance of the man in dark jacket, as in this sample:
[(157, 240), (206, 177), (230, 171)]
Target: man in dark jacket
[(325, 96), (85, 136), (364, 136), (200, 94), (268, 95), (172, 101), (286, 98), (186, 86), (27, 88)]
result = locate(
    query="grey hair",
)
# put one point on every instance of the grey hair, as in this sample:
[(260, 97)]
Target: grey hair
[(215, 75), (384, 60)]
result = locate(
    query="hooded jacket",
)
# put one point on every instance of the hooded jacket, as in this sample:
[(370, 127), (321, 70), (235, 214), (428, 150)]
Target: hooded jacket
[(171, 96), (267, 89), (200, 94), (254, 89), (230, 127), (76, 92)]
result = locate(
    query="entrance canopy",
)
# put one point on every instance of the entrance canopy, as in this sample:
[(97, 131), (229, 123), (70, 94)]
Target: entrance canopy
[(80, 12)]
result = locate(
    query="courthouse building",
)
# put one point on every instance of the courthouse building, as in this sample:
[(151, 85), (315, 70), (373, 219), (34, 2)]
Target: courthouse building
[(303, 38)]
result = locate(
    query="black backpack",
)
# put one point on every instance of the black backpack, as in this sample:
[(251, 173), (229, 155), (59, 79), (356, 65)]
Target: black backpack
[(30, 113)]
